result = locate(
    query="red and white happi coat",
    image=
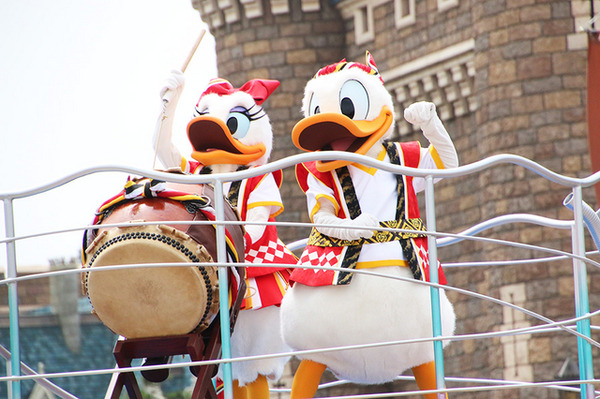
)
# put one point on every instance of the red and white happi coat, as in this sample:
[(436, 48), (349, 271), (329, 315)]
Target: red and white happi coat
[(265, 286), (376, 192)]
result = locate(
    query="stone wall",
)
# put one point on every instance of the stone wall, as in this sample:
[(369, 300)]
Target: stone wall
[(507, 76)]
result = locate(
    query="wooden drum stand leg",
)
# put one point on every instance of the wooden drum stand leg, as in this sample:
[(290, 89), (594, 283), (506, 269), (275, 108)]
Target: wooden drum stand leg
[(204, 346)]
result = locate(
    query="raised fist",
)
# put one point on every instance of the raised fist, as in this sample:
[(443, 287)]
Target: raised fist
[(420, 113)]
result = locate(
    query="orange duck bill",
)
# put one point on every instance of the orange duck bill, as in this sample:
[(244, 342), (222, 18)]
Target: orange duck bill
[(337, 132), (214, 144)]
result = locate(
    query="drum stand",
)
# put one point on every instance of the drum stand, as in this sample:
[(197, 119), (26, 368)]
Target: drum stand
[(205, 345), (200, 346)]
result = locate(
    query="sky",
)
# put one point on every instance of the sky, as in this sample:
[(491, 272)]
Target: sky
[(79, 87)]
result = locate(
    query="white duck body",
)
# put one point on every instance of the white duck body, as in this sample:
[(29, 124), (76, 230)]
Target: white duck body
[(230, 129), (257, 331), (370, 309)]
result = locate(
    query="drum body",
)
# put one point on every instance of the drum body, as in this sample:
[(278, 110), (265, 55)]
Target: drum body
[(157, 300)]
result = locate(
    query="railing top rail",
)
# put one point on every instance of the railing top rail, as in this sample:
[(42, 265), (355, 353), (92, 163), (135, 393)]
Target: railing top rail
[(329, 155)]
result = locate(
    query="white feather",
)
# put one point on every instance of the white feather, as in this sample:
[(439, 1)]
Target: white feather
[(370, 309), (257, 332)]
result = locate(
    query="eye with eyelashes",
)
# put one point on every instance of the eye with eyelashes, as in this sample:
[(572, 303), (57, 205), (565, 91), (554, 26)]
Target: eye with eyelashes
[(239, 118), (251, 113), (200, 112)]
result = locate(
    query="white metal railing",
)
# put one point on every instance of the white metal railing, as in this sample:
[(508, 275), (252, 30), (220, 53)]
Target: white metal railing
[(579, 326)]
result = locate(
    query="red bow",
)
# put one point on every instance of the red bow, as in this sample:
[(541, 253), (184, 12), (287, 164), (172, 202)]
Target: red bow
[(259, 89)]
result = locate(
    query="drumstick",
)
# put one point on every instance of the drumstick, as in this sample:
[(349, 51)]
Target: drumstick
[(192, 51), (168, 94)]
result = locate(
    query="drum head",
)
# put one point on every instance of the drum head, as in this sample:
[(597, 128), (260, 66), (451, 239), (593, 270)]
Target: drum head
[(151, 301)]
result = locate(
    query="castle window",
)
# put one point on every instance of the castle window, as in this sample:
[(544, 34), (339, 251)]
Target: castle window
[(404, 12), (444, 5), (363, 24)]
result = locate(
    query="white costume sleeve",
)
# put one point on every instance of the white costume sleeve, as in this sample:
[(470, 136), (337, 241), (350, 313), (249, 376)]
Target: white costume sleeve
[(266, 195), (263, 202), (441, 153), (164, 148), (323, 209), (259, 214), (423, 114), (317, 194)]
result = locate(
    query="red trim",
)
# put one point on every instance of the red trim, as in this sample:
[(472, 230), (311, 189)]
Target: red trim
[(593, 104), (411, 154), (302, 176), (248, 186), (278, 176), (327, 178)]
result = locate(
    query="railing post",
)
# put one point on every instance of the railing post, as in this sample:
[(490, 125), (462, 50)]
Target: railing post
[(223, 291), (436, 319), (13, 299), (582, 308)]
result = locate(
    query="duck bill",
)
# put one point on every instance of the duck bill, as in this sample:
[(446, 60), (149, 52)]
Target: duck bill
[(213, 143), (333, 131)]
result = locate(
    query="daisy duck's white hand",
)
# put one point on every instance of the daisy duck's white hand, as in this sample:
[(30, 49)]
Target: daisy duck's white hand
[(173, 86), (423, 114), (167, 153), (343, 228)]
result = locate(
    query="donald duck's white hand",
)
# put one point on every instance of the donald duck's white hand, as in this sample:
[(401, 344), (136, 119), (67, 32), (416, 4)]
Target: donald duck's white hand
[(420, 113), (423, 114), (343, 228)]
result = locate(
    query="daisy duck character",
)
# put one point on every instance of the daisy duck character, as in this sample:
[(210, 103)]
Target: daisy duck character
[(347, 108), (230, 131)]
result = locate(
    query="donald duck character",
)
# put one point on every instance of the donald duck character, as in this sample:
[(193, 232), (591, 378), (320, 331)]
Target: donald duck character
[(347, 108), (231, 131)]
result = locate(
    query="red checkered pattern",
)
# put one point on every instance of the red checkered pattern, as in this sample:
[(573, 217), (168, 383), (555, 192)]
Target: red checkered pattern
[(274, 252), (317, 256), (420, 246), (321, 256), (423, 255)]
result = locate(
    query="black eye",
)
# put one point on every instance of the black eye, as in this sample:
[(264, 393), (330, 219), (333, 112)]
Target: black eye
[(232, 124), (347, 107), (313, 106), (354, 100)]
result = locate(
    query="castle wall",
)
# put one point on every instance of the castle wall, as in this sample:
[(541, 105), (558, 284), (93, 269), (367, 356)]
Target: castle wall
[(507, 76)]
